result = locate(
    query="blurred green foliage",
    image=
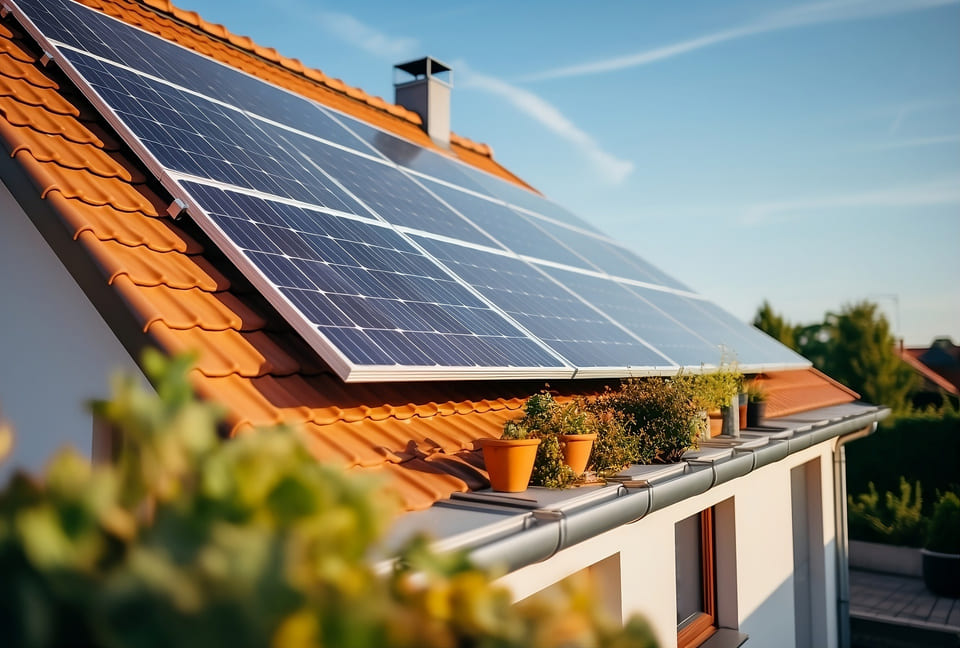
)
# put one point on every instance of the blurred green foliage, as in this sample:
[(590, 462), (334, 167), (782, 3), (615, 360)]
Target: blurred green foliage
[(943, 532), (191, 541), (897, 519), (918, 445)]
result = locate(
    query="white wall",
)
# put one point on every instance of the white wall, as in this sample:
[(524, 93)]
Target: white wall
[(754, 530), (56, 352)]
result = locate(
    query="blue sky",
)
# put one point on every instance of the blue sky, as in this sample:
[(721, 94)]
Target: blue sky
[(807, 153)]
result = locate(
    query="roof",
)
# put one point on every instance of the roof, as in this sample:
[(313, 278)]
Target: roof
[(169, 285), (938, 365)]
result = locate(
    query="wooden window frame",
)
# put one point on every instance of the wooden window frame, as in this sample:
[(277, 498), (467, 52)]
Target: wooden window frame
[(702, 626)]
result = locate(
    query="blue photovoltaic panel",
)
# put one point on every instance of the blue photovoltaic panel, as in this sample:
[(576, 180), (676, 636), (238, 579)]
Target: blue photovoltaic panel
[(392, 195), (580, 334), (365, 288), (512, 229), (748, 345), (192, 135), (358, 287), (410, 156), (611, 258), (640, 317), (93, 32)]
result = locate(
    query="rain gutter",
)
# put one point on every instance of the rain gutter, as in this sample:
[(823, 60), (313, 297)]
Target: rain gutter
[(553, 530)]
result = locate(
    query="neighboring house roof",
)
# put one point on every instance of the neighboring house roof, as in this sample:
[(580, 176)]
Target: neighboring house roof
[(161, 282), (938, 365)]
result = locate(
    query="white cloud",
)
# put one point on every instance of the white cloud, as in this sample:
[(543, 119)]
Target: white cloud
[(800, 16), (610, 168), (941, 192), (364, 37)]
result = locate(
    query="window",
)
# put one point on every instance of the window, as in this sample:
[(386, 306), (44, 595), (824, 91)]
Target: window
[(696, 579)]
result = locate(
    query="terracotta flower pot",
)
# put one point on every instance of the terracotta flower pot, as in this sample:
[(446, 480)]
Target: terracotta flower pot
[(716, 422), (509, 463), (576, 450)]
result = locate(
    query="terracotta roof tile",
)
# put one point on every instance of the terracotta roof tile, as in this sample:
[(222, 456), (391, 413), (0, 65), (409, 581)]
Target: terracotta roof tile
[(146, 267), (790, 392), (186, 309), (47, 147), (129, 228), (225, 352), (43, 120)]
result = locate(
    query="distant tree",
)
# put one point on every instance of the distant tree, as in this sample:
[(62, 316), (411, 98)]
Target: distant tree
[(861, 353), (774, 325), (854, 346)]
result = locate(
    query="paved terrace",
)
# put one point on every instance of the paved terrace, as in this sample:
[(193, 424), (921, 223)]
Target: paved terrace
[(902, 601)]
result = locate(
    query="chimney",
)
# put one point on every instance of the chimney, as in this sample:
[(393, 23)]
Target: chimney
[(423, 86)]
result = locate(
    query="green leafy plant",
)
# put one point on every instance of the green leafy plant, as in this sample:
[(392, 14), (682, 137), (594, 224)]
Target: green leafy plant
[(517, 430), (549, 469), (943, 533), (898, 520), (715, 390), (193, 541), (660, 416), (614, 449)]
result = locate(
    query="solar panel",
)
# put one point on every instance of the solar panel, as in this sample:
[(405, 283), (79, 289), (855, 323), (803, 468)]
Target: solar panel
[(104, 37), (581, 334), (370, 295), (392, 260), (641, 318)]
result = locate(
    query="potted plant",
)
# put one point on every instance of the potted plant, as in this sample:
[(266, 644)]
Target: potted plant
[(756, 403), (941, 555), (715, 392), (577, 430), (509, 459)]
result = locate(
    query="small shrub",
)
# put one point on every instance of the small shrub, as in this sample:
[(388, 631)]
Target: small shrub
[(713, 391), (614, 449), (943, 533), (898, 521), (660, 416)]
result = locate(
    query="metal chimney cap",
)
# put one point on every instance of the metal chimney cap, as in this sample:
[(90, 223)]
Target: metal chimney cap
[(425, 67)]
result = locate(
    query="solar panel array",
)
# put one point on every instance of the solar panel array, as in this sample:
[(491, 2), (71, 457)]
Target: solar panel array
[(392, 260)]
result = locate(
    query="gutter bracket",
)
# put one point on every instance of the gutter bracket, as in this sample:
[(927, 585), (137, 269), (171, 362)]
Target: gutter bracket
[(549, 515)]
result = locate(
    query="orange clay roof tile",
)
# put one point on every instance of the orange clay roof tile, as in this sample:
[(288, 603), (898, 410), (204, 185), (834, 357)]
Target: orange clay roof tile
[(146, 267), (49, 148), (13, 49), (187, 309), (20, 114), (222, 353), (17, 69), (129, 228), (789, 392), (32, 94), (82, 185)]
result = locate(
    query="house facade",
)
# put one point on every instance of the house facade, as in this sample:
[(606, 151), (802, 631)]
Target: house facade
[(744, 538)]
